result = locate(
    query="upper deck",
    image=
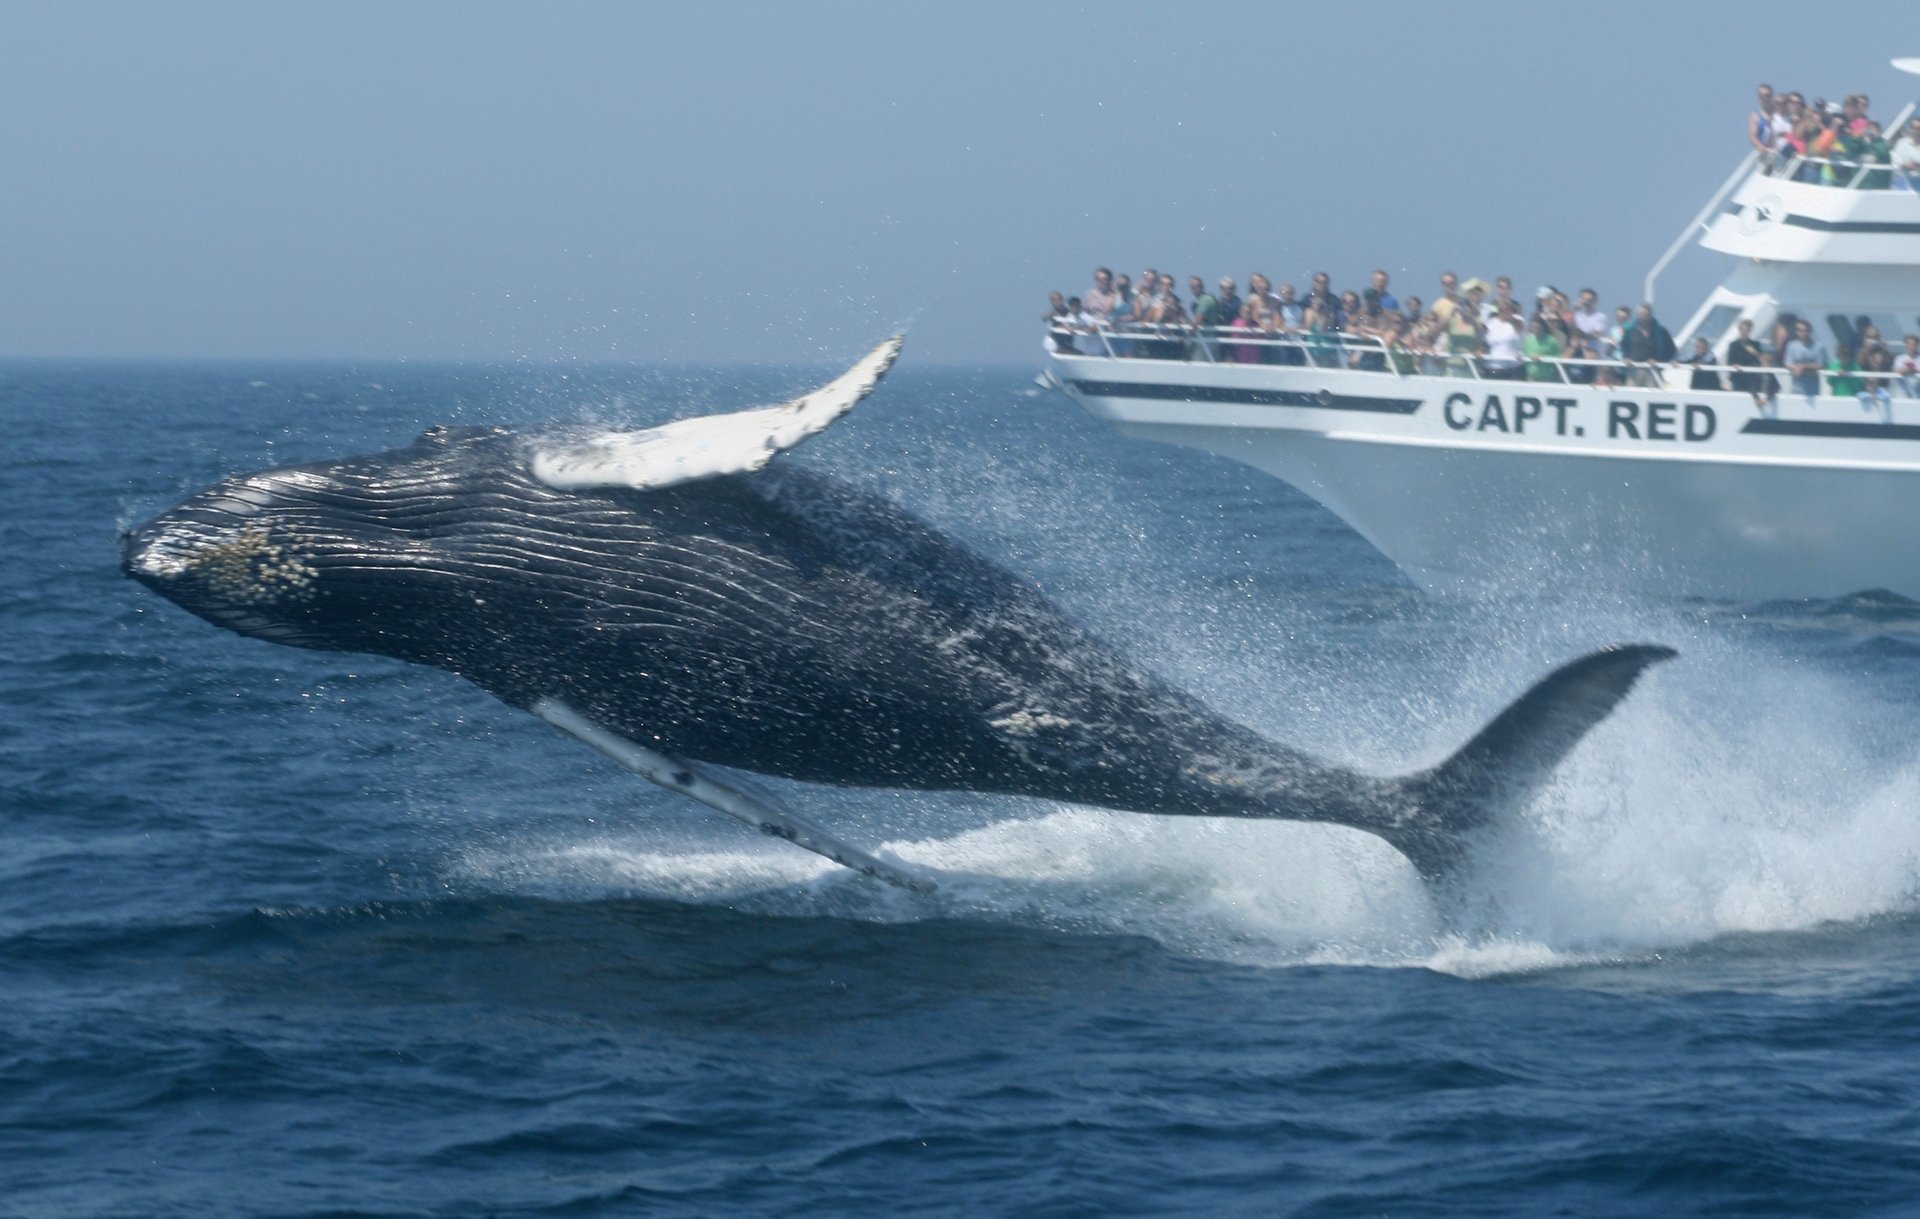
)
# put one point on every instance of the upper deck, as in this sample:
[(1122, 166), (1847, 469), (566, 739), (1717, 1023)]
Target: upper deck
[(1871, 218)]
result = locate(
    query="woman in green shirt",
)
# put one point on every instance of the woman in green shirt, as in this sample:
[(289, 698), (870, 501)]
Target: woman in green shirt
[(1541, 346), (1843, 375)]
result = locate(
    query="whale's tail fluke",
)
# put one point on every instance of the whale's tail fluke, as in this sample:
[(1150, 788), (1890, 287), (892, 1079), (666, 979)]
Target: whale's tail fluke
[(1502, 767)]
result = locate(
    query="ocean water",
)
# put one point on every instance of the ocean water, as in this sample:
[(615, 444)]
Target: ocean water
[(292, 933)]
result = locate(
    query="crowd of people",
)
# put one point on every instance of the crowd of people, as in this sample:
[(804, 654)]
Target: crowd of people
[(1469, 329), (1479, 329), (1835, 143)]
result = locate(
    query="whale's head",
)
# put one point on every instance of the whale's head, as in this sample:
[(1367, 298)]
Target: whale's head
[(344, 555)]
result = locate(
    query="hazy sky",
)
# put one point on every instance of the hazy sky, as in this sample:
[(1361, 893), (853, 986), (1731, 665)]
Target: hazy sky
[(782, 182)]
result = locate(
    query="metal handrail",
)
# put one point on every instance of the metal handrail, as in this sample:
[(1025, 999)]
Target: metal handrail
[(1790, 167), (1699, 222), (1470, 366)]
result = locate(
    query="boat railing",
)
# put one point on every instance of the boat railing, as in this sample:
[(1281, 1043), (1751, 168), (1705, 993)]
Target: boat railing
[(1845, 174), (1842, 174), (1227, 345)]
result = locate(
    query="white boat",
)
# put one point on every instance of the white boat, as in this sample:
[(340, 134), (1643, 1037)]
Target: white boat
[(1466, 481)]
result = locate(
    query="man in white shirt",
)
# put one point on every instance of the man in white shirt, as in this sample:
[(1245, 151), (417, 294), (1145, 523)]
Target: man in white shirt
[(1591, 321), (1906, 366), (1906, 157), (1101, 299)]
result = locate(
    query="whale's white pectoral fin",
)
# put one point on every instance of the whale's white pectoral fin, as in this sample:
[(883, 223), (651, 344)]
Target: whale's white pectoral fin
[(757, 810), (709, 445)]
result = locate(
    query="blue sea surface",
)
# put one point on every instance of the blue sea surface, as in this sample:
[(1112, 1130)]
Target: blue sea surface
[(298, 933)]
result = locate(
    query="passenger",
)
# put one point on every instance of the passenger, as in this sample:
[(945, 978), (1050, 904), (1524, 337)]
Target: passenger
[(1788, 112), (1370, 331), (1830, 143), (1388, 301), (1783, 324), (1623, 325), (1843, 373), (1874, 150), (1648, 343), (1292, 310), (1449, 297), (1806, 130), (1399, 340), (1247, 324), (1550, 308), (1323, 337), (1502, 297), (1208, 314), (1804, 359), (1906, 366), (1744, 352), (1280, 345), (1760, 122), (1543, 350), (1208, 310), (1229, 301), (1260, 288), (1351, 311), (1876, 359), (1590, 331), (1292, 315), (1428, 343), (1321, 293), (1701, 358), (1414, 311), (1059, 320), (1905, 155), (1503, 339), (1463, 330), (1473, 295), (1100, 301), (1128, 308), (1170, 315)]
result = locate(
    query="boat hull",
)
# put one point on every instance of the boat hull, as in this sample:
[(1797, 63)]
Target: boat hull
[(1467, 483)]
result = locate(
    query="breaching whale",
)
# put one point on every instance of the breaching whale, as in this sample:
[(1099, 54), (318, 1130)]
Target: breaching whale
[(673, 600)]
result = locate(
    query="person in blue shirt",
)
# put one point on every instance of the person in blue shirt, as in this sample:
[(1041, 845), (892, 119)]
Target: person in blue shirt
[(1388, 301), (1805, 359)]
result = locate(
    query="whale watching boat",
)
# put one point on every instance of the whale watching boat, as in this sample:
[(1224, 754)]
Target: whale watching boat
[(1593, 471)]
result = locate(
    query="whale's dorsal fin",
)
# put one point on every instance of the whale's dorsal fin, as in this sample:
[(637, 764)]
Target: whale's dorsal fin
[(759, 811), (709, 445)]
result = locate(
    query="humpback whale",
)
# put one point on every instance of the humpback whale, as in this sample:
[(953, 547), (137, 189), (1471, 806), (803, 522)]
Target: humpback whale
[(674, 598)]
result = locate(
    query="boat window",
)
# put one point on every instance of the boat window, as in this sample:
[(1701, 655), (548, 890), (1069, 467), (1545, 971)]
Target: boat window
[(1850, 329), (1715, 324)]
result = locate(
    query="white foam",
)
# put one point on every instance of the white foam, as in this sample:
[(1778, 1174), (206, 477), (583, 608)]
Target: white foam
[(1711, 804)]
